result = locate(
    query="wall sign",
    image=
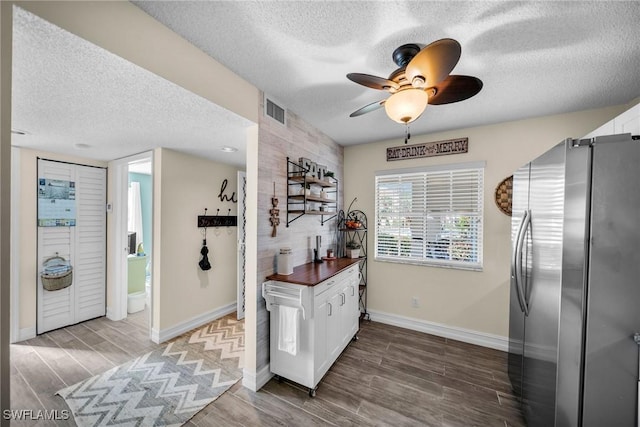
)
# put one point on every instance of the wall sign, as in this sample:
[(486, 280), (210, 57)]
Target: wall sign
[(56, 203), (223, 197), (428, 149)]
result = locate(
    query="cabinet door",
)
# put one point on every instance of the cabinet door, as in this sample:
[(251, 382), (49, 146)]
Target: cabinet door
[(352, 315), (334, 325), (320, 347)]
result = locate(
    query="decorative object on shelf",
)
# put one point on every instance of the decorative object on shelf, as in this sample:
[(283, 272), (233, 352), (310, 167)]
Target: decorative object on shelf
[(305, 165), (353, 249), (275, 213), (321, 171), (305, 189), (428, 149), (504, 194), (56, 274)]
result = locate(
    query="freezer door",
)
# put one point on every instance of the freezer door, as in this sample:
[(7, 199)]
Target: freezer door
[(574, 261), (613, 298), (520, 204), (543, 286)]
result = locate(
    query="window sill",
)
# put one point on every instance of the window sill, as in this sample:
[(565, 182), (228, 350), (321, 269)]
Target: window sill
[(456, 266)]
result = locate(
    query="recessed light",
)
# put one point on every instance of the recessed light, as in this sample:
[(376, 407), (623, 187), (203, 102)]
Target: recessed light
[(81, 146), (227, 149)]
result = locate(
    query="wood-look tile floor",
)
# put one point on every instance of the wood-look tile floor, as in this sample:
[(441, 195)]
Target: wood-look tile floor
[(390, 376)]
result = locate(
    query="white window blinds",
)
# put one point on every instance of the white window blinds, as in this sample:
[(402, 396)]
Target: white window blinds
[(430, 216)]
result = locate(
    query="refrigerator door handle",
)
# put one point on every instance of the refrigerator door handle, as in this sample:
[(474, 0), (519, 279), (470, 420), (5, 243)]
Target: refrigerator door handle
[(526, 221), (514, 257)]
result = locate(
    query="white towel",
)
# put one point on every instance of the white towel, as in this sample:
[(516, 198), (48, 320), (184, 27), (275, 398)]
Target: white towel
[(288, 330)]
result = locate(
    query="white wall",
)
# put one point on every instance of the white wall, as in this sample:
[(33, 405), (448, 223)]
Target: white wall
[(182, 291), (25, 221), (475, 301)]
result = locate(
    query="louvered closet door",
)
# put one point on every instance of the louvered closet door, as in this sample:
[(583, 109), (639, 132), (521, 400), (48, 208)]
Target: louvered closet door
[(90, 243), (55, 308), (84, 245)]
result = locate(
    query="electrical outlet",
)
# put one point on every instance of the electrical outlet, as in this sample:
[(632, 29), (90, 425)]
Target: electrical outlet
[(415, 303)]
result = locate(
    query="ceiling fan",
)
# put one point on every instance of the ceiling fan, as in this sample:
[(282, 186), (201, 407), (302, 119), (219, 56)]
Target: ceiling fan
[(423, 78)]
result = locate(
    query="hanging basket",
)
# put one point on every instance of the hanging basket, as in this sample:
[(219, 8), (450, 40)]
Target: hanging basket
[(57, 274)]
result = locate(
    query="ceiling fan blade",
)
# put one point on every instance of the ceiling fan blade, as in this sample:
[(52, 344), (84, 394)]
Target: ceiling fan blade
[(368, 108), (434, 62), (372, 81), (455, 88)]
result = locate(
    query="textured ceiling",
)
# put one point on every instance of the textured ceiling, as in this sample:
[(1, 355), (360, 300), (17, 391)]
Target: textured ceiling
[(73, 97), (535, 58)]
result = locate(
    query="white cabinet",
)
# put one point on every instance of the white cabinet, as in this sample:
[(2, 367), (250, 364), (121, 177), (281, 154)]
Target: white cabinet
[(331, 322), (627, 122)]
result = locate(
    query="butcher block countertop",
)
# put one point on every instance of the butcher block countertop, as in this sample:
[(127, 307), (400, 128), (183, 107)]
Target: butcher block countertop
[(311, 274)]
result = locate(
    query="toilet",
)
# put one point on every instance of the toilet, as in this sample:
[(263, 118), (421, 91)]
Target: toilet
[(136, 301), (136, 295)]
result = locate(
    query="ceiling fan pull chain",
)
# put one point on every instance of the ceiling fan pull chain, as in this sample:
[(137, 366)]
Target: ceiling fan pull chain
[(407, 134)]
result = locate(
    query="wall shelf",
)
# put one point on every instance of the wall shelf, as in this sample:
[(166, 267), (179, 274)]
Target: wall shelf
[(298, 204)]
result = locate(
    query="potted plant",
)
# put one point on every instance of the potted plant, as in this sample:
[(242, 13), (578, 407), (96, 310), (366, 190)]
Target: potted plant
[(353, 249), (328, 174), (306, 189)]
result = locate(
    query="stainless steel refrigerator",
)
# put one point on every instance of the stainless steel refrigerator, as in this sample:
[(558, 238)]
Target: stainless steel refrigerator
[(575, 284)]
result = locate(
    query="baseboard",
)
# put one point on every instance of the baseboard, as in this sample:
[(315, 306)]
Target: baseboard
[(158, 336), (255, 382), (459, 334), (26, 334)]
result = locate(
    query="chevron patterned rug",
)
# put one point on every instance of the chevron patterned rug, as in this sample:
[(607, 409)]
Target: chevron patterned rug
[(165, 387)]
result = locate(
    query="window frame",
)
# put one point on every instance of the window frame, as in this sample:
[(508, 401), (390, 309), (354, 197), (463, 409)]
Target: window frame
[(433, 171)]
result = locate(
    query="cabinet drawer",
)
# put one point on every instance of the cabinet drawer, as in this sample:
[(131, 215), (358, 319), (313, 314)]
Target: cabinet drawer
[(323, 287), (339, 278)]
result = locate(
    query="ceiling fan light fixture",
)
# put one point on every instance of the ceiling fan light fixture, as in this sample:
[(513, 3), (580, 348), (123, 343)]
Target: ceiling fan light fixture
[(406, 105)]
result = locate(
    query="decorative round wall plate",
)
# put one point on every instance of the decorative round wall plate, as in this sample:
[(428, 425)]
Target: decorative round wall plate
[(504, 193)]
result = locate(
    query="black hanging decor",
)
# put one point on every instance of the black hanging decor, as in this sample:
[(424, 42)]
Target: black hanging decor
[(204, 261)]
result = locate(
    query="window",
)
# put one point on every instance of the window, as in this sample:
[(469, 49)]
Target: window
[(430, 216)]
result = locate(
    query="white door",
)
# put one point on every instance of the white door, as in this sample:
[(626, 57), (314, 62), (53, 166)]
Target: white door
[(242, 187), (84, 245)]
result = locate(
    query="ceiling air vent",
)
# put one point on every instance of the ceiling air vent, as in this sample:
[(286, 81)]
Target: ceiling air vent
[(273, 110)]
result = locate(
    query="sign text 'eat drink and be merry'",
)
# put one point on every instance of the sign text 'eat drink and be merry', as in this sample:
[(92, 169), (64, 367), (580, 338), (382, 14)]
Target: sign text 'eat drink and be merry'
[(428, 149)]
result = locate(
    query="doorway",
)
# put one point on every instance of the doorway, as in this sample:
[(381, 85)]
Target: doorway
[(132, 250), (139, 241)]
